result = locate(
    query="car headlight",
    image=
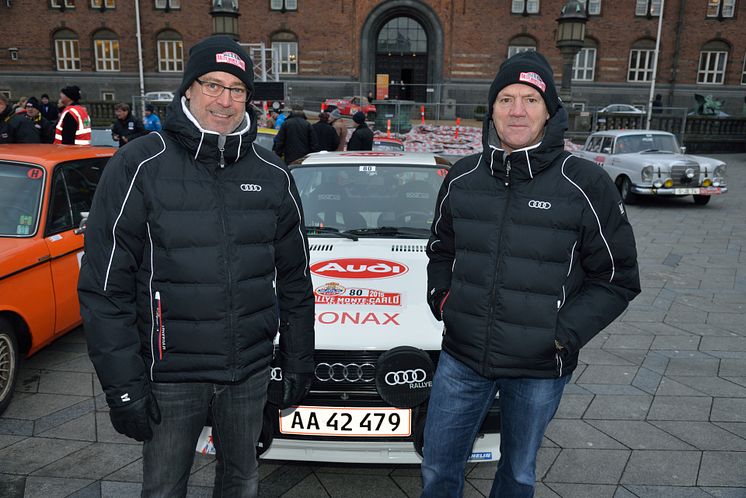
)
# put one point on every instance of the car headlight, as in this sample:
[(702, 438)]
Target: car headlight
[(647, 174), (718, 176), (668, 183)]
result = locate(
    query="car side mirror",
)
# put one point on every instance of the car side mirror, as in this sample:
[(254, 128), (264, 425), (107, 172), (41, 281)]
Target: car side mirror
[(683, 149), (82, 226)]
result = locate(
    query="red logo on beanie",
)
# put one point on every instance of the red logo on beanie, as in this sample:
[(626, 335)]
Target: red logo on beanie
[(231, 58), (533, 79)]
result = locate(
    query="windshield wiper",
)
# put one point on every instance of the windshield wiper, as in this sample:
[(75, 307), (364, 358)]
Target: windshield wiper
[(330, 231), (649, 150), (391, 231)]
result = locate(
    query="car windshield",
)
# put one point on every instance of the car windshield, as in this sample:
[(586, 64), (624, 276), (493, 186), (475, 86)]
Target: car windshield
[(21, 186), (266, 140), (647, 142), (369, 200)]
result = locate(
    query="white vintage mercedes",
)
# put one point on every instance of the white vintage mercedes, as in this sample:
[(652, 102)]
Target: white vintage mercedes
[(646, 162), (368, 217)]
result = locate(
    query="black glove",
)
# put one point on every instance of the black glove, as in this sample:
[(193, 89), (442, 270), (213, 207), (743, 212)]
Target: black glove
[(134, 419), (436, 299), (295, 387)]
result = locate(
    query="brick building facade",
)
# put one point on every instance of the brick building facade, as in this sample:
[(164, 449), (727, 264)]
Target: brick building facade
[(441, 49)]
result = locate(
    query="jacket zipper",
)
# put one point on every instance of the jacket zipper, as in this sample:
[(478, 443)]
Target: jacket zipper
[(161, 328)]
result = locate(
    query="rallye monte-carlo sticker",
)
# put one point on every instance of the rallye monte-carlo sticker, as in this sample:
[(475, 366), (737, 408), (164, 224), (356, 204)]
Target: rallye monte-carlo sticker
[(336, 293)]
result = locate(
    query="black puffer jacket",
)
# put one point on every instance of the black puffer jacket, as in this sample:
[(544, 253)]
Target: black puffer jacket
[(205, 240), (535, 247), (296, 138)]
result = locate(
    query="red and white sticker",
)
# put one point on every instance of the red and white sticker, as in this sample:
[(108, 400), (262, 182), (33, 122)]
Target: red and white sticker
[(372, 154), (533, 79), (335, 293), (357, 318), (35, 174), (358, 268), (231, 58)]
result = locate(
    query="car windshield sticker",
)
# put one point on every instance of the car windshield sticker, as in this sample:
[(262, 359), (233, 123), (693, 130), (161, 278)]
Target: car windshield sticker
[(34, 173), (371, 169), (26, 220), (357, 318), (23, 230), (335, 293), (442, 172), (358, 268)]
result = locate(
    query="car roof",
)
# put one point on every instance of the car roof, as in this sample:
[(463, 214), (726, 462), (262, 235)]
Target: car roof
[(47, 155), (621, 133), (372, 157)]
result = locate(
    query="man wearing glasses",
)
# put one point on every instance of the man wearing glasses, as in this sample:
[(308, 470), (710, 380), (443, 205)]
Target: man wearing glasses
[(195, 259)]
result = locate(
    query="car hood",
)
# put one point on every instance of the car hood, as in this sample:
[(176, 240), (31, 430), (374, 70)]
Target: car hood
[(19, 253), (370, 294), (666, 159)]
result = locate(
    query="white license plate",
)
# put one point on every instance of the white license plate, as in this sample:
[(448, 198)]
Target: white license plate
[(686, 191), (346, 421)]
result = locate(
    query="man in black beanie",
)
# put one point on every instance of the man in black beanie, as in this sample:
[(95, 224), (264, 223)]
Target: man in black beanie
[(74, 124), (531, 255), (196, 258)]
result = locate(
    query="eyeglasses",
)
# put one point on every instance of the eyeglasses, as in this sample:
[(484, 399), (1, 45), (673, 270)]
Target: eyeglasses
[(212, 89)]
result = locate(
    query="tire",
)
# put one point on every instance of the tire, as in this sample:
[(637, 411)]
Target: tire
[(9, 362), (625, 190), (701, 200)]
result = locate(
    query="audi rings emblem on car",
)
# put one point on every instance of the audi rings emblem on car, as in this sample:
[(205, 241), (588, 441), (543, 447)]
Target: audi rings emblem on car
[(251, 187), (539, 204), (405, 377), (350, 372)]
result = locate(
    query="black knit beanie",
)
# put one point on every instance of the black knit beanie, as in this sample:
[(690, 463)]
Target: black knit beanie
[(72, 92), (532, 69), (218, 53)]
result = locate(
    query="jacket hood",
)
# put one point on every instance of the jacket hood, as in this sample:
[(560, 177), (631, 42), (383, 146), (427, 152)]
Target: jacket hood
[(183, 127), (526, 162)]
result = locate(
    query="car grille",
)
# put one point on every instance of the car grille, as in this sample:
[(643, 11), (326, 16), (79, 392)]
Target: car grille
[(678, 174)]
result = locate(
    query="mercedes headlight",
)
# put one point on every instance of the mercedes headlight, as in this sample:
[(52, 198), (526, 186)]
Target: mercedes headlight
[(718, 176), (647, 174)]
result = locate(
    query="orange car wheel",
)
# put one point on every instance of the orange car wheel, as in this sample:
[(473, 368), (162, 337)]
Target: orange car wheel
[(9, 360)]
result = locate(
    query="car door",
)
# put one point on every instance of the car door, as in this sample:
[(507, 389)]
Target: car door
[(73, 185)]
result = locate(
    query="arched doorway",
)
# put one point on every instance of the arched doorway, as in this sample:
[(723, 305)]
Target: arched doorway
[(404, 24), (401, 52)]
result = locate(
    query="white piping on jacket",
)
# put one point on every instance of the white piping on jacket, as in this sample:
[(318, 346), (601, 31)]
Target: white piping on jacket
[(121, 210), (572, 257), (297, 208), (598, 221)]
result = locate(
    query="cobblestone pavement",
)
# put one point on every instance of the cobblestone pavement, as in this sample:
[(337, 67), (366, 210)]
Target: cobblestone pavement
[(657, 407)]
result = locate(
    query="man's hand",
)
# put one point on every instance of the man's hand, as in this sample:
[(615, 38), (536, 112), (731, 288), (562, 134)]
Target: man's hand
[(295, 387), (134, 419), (436, 298)]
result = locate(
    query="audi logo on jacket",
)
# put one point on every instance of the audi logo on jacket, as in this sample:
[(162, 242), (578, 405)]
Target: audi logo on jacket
[(188, 272), (534, 249)]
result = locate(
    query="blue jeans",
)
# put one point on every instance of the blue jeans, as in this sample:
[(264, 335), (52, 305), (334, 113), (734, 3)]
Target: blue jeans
[(236, 411), (458, 404)]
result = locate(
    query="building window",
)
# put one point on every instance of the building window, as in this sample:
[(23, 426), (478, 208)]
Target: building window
[(593, 7), (517, 49), (107, 96), (648, 7), (743, 72), (13, 53), (519, 44), (66, 4), (97, 4), (283, 5), (286, 55), (641, 65), (721, 8), (585, 65), (525, 7), (167, 4), (170, 52), (107, 51), (67, 51), (712, 67), (402, 35)]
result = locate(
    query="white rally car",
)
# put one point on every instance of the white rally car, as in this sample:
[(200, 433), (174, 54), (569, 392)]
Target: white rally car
[(368, 217), (647, 162)]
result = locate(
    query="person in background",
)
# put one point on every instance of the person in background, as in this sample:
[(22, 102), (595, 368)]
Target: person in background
[(530, 256), (5, 112), (126, 128), (658, 104), (74, 124), (296, 137), (20, 106), (49, 109), (362, 137), (21, 129), (279, 118), (335, 119), (42, 126), (151, 121), (325, 133), (195, 259)]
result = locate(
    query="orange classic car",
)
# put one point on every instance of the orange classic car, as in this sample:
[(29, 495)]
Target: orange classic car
[(45, 194)]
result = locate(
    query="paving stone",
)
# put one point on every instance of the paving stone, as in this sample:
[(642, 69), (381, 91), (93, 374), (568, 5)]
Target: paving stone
[(601, 357), (63, 416), (12, 486), (82, 428), (543, 491), (725, 492), (728, 410), (32, 453), (722, 468), (732, 322), (705, 330), (579, 434), (732, 368), (338, 486), (667, 492), (311, 487), (618, 407), (692, 366), (582, 490), (669, 387), (655, 362), (628, 342), (662, 468), (647, 380), (113, 489), (51, 487), (285, 478), (55, 382), (16, 427), (474, 488), (573, 405), (93, 490), (655, 316), (614, 389), (608, 374), (737, 428), (714, 386), (6, 440), (677, 342), (639, 435), (94, 461), (634, 356), (725, 343), (28, 380), (703, 435), (48, 358), (36, 406), (588, 466), (680, 408)]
